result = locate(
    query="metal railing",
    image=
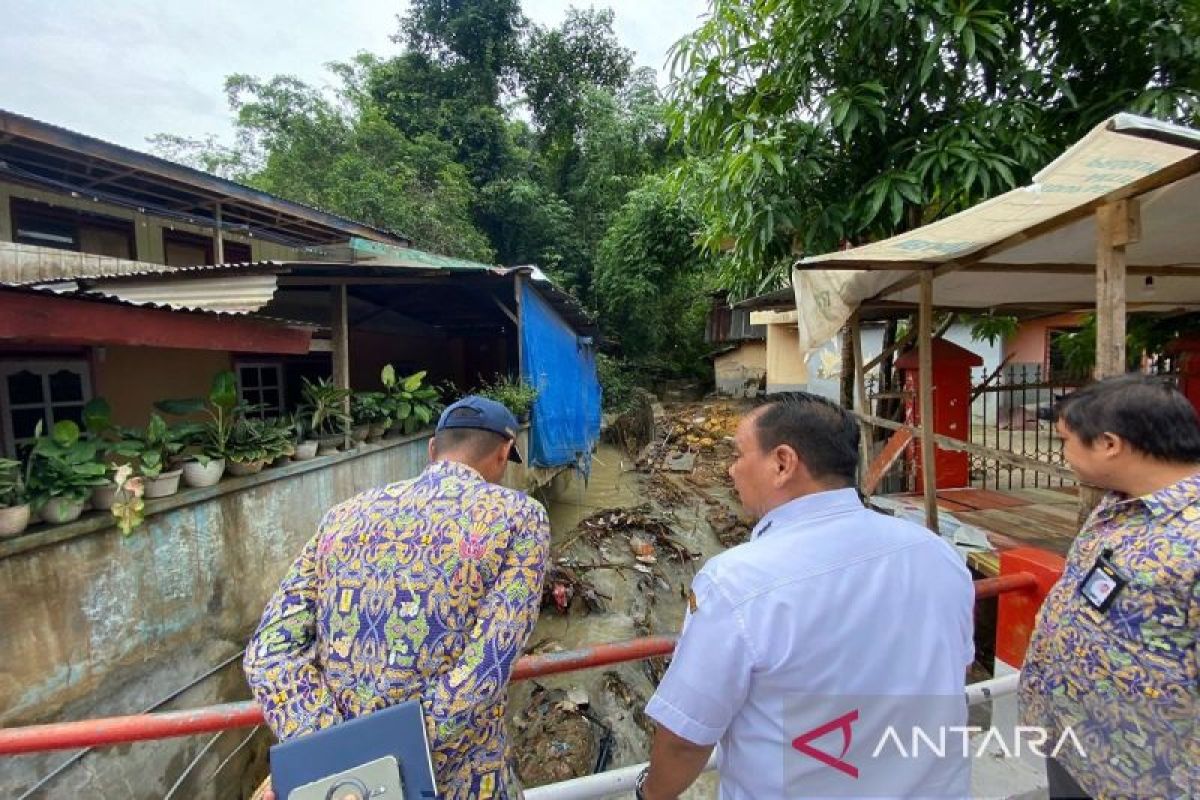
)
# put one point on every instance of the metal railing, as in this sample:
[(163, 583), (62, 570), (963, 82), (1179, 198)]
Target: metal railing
[(142, 727)]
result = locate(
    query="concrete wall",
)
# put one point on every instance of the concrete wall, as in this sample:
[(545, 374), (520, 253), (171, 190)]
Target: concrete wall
[(785, 370), (739, 372), (95, 623), (132, 379)]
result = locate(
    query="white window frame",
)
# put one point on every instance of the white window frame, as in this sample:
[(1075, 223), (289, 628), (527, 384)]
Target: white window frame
[(262, 366), (44, 369)]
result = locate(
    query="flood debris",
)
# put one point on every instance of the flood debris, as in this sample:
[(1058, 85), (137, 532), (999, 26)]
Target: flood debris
[(730, 527), (553, 738), (564, 584)]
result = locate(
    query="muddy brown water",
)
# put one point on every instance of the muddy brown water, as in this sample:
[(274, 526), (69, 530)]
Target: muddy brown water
[(639, 605)]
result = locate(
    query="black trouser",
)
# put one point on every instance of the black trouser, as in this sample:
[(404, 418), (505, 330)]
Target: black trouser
[(1061, 785)]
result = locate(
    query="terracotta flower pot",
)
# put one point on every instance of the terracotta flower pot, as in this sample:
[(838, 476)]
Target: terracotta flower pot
[(165, 485), (327, 445), (359, 432), (13, 519), (197, 475), (60, 510), (376, 431)]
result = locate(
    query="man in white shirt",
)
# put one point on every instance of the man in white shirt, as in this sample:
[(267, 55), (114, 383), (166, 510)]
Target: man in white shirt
[(803, 647)]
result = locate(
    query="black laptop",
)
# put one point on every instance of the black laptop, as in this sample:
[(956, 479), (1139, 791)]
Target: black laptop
[(383, 755)]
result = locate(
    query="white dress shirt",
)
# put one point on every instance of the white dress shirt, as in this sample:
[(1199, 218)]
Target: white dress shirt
[(828, 604)]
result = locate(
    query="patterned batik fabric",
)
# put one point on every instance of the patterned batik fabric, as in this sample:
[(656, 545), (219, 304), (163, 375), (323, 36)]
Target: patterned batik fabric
[(1127, 679), (426, 589)]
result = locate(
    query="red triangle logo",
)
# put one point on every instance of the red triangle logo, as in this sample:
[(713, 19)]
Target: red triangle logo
[(843, 723)]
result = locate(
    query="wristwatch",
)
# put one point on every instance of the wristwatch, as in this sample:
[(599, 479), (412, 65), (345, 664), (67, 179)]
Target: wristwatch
[(639, 783)]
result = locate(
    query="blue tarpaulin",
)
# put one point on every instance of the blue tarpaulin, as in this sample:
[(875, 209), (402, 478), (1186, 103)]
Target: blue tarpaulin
[(562, 365)]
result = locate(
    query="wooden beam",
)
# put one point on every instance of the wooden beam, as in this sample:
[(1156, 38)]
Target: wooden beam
[(1116, 227), (340, 328), (948, 443), (860, 396), (925, 396), (517, 280), (220, 234), (31, 318), (515, 320)]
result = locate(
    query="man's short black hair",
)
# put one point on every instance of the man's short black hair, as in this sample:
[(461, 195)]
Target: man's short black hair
[(474, 443), (1148, 412), (823, 434)]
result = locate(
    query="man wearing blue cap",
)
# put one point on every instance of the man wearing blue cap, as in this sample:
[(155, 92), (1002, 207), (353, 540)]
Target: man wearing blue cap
[(424, 589)]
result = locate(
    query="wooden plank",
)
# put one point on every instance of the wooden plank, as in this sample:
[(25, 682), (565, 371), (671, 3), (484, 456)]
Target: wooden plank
[(925, 390), (1112, 235), (1003, 456), (891, 452), (860, 396), (220, 255), (520, 325)]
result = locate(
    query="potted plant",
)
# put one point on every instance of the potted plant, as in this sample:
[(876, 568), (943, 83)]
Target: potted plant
[(325, 408), (306, 446), (150, 450), (254, 443), (410, 404), (514, 393), (63, 470), (204, 462), (14, 504), (98, 426), (371, 409)]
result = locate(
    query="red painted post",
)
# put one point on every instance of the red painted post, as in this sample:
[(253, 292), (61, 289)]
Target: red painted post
[(1018, 610)]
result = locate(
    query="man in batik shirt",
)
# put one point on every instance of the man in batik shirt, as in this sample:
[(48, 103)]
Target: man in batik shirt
[(425, 589), (1114, 656)]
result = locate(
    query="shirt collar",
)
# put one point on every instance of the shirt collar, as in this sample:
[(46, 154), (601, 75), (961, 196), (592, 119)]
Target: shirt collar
[(820, 504), (457, 469), (1169, 500)]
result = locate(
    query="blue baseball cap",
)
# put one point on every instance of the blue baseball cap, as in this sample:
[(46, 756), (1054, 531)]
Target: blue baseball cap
[(482, 414)]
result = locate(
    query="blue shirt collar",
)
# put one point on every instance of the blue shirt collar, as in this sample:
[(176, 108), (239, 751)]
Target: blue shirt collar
[(807, 507)]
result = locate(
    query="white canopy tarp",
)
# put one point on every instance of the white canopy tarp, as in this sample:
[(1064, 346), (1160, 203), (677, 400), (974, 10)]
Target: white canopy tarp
[(1112, 160)]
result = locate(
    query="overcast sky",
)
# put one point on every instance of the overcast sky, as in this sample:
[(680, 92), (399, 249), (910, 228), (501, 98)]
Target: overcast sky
[(122, 70)]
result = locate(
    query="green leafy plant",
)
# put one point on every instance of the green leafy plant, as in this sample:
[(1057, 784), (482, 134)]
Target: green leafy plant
[(370, 408), (325, 407), (208, 440), (149, 450), (411, 403), (63, 464), (517, 395), (251, 440), (12, 483)]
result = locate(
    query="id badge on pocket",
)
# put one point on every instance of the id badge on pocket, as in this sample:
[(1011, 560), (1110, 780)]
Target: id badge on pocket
[(1103, 582)]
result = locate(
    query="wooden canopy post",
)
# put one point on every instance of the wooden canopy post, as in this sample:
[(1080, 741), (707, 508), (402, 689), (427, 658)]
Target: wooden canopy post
[(520, 331), (860, 395), (1117, 225), (340, 325), (220, 235), (925, 393)]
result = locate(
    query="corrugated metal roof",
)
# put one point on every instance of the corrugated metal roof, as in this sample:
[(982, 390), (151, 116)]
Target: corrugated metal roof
[(238, 294), (28, 265)]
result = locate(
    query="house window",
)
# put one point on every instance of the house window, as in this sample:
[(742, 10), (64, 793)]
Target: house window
[(182, 249), (237, 253), (1056, 358), (65, 229), (260, 385), (40, 391)]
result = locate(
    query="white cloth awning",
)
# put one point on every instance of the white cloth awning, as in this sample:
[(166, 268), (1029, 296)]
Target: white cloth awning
[(1020, 243)]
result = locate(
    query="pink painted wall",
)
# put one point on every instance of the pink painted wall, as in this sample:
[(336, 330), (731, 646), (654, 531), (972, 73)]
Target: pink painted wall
[(1029, 345)]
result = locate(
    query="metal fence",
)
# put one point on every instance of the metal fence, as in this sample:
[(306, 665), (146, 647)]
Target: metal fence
[(1013, 410)]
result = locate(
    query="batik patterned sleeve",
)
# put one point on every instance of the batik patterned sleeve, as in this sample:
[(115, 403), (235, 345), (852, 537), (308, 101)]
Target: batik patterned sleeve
[(280, 660), (468, 695)]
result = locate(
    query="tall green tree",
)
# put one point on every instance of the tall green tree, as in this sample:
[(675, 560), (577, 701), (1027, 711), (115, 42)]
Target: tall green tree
[(651, 278), (813, 123), (481, 36)]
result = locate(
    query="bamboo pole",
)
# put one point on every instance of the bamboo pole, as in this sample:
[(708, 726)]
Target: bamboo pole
[(925, 394)]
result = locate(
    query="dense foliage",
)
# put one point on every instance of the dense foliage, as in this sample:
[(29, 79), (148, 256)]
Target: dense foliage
[(788, 127)]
